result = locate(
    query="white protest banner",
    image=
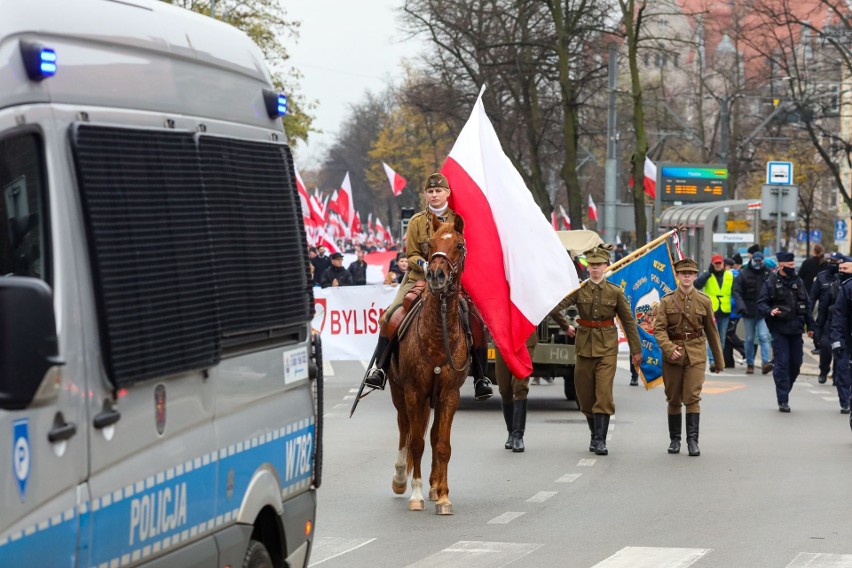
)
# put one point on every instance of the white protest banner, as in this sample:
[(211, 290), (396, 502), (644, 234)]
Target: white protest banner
[(347, 319)]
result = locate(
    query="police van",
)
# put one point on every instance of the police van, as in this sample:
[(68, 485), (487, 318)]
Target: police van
[(159, 385)]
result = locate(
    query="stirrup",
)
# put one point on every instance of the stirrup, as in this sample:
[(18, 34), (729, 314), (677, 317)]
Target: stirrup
[(376, 378), (482, 389)]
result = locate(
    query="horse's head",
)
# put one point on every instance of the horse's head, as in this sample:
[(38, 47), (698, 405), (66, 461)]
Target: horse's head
[(446, 261)]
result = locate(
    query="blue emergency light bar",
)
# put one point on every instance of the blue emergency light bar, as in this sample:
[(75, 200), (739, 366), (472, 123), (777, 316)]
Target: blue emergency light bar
[(276, 103), (39, 61)]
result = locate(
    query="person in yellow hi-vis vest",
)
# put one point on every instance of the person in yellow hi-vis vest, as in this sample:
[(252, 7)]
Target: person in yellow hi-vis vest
[(718, 284)]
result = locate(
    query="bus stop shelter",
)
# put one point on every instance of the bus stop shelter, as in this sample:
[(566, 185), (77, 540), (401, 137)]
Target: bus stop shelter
[(702, 220)]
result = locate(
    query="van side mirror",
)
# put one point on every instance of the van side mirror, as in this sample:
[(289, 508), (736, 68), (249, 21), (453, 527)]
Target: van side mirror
[(29, 348)]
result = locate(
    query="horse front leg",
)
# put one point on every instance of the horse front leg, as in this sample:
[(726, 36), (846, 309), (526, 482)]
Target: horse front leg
[(419, 415), (402, 467), (445, 411)]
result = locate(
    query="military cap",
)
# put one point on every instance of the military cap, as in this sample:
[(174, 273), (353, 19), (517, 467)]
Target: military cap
[(437, 180), (598, 254), (686, 265), (785, 256), (839, 257)]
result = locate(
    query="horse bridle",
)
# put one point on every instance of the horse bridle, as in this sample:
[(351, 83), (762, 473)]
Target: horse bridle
[(455, 268)]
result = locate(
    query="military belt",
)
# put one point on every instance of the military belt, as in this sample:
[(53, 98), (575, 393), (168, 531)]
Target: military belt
[(591, 323), (686, 336)]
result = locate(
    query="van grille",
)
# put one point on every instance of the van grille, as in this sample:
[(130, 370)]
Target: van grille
[(192, 239)]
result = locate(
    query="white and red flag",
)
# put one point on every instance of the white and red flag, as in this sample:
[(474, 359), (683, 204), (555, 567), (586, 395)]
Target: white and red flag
[(593, 209), (381, 233), (345, 204), (650, 183), (307, 216), (397, 182), (566, 220), (554, 221), (517, 269)]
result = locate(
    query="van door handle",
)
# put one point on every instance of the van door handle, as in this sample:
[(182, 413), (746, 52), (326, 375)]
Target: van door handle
[(106, 418), (61, 432)]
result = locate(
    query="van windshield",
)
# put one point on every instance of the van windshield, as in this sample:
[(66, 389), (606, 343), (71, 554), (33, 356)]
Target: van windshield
[(22, 234)]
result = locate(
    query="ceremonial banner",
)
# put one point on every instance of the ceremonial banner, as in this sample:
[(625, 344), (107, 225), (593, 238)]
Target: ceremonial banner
[(347, 319), (645, 281)]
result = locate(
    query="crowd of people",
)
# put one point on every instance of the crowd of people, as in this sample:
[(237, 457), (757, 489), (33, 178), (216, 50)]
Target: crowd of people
[(328, 271)]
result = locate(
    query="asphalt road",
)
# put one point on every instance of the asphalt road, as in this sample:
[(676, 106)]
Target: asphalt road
[(769, 489)]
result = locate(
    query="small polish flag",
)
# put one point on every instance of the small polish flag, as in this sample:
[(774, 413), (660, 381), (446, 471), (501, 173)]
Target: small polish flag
[(517, 269), (397, 182), (345, 203), (593, 209), (554, 221), (650, 178), (566, 220)]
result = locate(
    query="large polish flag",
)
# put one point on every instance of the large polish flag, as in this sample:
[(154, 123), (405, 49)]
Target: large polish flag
[(516, 269), (397, 182)]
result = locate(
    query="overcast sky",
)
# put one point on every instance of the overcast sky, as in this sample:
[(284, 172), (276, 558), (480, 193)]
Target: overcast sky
[(345, 48)]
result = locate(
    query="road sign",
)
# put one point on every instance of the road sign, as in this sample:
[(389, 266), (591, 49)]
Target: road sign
[(840, 234), (840, 225), (774, 208), (779, 173), (816, 236), (733, 237), (737, 225), (694, 183)]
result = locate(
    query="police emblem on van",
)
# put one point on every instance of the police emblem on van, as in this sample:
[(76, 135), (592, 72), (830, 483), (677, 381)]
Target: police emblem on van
[(160, 408)]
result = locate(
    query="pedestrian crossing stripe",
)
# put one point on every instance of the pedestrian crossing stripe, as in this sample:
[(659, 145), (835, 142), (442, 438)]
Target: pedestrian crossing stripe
[(719, 387), (651, 557)]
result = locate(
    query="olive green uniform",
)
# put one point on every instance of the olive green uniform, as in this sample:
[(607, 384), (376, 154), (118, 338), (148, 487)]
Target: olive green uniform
[(685, 319), (596, 342), (417, 248)]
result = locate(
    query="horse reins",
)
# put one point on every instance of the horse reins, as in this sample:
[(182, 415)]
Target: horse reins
[(455, 268)]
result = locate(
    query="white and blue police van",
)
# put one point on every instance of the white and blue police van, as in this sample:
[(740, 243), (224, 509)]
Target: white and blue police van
[(160, 390)]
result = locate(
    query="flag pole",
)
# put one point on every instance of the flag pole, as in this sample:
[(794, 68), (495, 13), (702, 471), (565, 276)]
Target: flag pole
[(640, 251)]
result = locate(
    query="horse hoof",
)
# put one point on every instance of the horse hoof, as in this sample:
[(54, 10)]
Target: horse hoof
[(443, 508), (417, 505), (398, 489), (433, 494)]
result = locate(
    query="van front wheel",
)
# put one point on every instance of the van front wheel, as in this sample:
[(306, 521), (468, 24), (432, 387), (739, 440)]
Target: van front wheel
[(257, 556)]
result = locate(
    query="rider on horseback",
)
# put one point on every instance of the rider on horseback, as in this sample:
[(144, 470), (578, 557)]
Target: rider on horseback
[(416, 245)]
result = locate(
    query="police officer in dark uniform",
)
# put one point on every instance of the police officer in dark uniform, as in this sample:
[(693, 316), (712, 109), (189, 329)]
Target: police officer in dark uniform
[(840, 335), (785, 305), (823, 293)]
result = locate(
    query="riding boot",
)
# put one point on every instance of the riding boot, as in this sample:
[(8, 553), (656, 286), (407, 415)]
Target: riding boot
[(592, 445), (601, 428), (378, 374), (675, 425), (479, 364), (519, 424), (507, 416), (692, 433)]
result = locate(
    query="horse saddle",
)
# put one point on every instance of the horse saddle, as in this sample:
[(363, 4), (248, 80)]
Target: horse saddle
[(397, 323)]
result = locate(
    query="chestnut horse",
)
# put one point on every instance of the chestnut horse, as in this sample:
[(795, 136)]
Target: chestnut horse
[(429, 370)]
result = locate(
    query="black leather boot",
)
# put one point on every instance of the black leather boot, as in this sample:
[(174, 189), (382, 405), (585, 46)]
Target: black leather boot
[(601, 428), (377, 376), (481, 384), (519, 424), (592, 444), (675, 425), (507, 416), (692, 433)]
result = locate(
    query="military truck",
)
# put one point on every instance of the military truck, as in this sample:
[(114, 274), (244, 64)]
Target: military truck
[(554, 354)]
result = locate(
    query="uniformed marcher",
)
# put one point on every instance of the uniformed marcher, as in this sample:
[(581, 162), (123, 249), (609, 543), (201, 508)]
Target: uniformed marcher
[(514, 390), (598, 303), (683, 328), (823, 293), (417, 237), (785, 305), (840, 336)]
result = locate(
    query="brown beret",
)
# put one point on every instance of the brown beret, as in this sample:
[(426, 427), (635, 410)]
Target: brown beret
[(686, 265), (437, 180)]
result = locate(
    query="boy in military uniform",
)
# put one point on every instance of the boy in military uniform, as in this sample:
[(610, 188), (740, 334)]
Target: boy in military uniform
[(417, 237), (683, 327), (598, 302)]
